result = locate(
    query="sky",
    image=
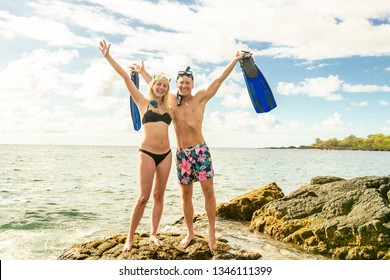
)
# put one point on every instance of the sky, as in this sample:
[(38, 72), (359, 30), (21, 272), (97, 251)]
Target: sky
[(327, 62)]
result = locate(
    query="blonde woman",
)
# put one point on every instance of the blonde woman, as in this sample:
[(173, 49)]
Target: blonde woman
[(155, 157)]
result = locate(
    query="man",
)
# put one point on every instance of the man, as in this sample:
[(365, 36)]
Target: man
[(193, 159)]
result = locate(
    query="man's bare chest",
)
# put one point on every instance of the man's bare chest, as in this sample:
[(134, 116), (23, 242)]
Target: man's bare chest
[(188, 115)]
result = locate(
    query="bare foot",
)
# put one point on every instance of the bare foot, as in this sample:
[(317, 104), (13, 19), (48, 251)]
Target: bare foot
[(186, 241), (212, 241), (155, 240), (212, 244), (127, 246)]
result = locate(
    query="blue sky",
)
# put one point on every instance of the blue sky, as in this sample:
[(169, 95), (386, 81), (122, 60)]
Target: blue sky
[(327, 62)]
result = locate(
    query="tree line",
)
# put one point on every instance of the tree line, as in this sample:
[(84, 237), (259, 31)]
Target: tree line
[(374, 142)]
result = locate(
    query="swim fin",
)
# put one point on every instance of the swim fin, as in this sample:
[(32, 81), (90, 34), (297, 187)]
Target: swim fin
[(258, 88), (133, 106)]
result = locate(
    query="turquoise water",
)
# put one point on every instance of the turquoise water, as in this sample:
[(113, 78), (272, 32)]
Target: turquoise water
[(55, 196)]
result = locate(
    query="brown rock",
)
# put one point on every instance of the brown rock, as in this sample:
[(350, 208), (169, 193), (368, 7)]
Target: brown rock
[(341, 219), (243, 207), (111, 248)]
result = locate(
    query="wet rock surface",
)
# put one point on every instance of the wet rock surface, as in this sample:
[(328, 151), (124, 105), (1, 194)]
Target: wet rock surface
[(143, 249), (337, 218)]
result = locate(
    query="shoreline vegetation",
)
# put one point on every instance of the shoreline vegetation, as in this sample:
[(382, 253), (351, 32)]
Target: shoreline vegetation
[(373, 142)]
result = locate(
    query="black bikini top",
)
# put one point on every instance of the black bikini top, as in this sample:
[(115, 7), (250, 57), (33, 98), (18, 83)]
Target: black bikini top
[(151, 116)]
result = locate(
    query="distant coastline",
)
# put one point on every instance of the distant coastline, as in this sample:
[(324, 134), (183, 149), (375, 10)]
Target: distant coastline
[(374, 142)]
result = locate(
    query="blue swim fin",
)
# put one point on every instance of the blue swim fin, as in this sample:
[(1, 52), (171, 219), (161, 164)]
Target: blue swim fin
[(133, 107), (259, 91)]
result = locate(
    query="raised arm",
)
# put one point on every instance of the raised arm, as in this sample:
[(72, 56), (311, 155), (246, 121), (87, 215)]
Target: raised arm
[(133, 90), (140, 68), (212, 89)]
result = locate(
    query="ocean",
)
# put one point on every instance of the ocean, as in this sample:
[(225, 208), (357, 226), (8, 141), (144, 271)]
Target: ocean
[(56, 196)]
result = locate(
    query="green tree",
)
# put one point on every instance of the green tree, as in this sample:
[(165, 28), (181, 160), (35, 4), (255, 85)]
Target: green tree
[(372, 142)]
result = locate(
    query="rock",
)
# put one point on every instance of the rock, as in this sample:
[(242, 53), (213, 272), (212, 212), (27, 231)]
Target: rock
[(243, 207), (111, 249), (319, 180), (337, 218)]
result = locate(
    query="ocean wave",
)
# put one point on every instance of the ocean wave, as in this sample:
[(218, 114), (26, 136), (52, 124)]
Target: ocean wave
[(35, 220)]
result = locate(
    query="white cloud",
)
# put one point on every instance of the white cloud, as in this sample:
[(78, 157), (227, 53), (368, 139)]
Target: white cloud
[(384, 103), (240, 121), (37, 75), (359, 104), (38, 93), (241, 101), (90, 18), (327, 88), (205, 30), (332, 124), (52, 32), (333, 121), (244, 129), (38, 97), (243, 121), (100, 87), (158, 13), (235, 94), (313, 87), (365, 88), (340, 32)]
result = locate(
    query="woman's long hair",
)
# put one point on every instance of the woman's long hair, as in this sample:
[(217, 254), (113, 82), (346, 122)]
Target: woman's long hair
[(165, 98)]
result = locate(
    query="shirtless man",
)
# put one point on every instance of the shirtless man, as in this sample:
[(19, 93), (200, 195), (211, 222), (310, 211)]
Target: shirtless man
[(193, 159)]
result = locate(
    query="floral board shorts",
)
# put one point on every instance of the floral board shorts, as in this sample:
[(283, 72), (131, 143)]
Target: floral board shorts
[(194, 164)]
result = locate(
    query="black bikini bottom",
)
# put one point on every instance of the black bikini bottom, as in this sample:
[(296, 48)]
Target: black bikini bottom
[(156, 157)]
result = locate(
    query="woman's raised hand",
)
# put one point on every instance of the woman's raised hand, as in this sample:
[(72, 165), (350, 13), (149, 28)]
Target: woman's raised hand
[(104, 48)]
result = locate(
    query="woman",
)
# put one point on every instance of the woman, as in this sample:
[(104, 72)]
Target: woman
[(155, 157)]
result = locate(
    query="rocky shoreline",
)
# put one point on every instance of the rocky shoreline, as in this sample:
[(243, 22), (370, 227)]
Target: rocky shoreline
[(331, 217), (337, 218), (143, 249)]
